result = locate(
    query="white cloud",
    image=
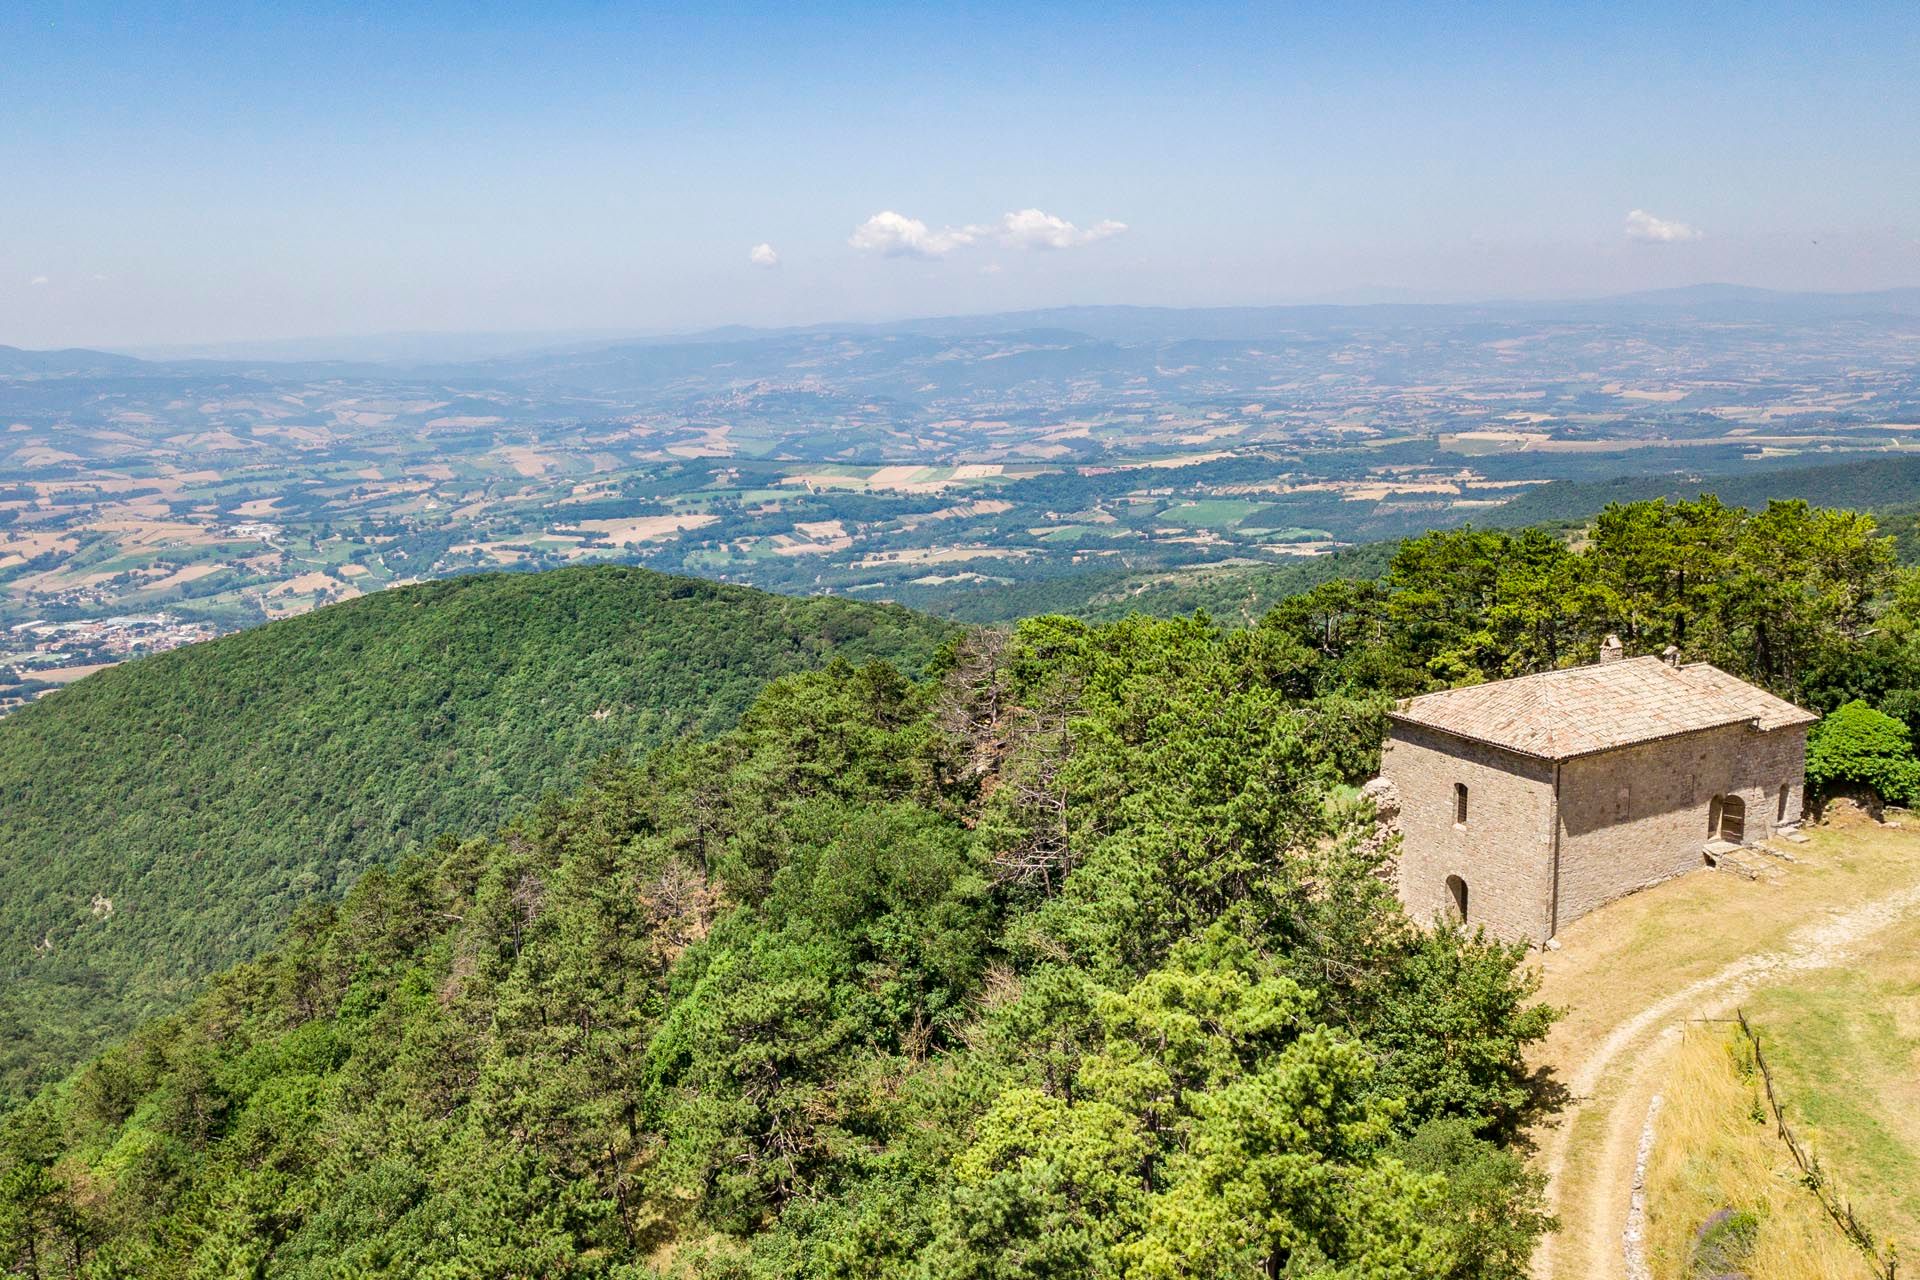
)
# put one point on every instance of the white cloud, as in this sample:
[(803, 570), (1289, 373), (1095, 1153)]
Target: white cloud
[(1642, 225), (763, 255), (39, 280), (1032, 229), (895, 235)]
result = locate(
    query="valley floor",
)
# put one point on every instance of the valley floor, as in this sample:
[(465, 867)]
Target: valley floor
[(1809, 948)]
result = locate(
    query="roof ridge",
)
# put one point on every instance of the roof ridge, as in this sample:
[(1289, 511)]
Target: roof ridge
[(1574, 711)]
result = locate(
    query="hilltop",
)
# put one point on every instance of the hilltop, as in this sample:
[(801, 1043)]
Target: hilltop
[(1074, 952), (895, 980), (162, 818)]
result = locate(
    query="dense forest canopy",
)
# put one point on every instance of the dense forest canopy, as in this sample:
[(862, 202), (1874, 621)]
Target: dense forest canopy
[(1064, 963), (1803, 600), (160, 819), (1074, 957)]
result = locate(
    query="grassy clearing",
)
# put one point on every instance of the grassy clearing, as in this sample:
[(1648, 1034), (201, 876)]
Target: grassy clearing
[(1844, 1045), (1209, 513), (1073, 533), (1288, 533), (1723, 1195), (1651, 946)]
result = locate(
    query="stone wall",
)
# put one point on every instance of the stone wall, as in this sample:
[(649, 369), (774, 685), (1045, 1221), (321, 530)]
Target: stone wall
[(1777, 762), (1623, 819), (1503, 851), (1641, 814)]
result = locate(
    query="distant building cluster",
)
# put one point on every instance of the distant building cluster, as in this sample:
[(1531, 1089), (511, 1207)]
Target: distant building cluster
[(39, 655)]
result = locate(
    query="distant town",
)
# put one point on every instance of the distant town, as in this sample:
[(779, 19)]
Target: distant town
[(37, 657)]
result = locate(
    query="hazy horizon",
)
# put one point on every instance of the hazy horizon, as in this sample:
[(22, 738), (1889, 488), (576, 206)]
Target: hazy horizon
[(237, 175), (456, 345)]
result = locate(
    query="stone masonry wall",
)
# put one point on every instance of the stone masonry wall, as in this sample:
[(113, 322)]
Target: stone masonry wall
[(1638, 815), (1504, 850)]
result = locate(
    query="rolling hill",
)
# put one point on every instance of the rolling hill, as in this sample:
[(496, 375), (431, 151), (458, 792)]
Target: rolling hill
[(1075, 953), (809, 999), (162, 818)]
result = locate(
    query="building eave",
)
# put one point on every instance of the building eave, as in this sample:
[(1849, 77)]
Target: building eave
[(1751, 722)]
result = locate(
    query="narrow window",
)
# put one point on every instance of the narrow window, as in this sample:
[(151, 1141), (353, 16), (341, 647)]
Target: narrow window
[(1780, 818), (1457, 899), (1459, 804)]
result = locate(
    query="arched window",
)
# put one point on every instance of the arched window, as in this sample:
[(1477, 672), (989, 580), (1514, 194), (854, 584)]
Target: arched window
[(1457, 899)]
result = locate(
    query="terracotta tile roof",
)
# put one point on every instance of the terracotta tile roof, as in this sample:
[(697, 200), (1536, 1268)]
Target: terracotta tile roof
[(1771, 712), (1556, 715)]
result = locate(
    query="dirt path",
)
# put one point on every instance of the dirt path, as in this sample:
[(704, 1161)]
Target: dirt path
[(1614, 1083)]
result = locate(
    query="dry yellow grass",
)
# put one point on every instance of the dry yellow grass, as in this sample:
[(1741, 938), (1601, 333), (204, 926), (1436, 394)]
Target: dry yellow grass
[(645, 528), (1658, 941), (308, 583), (1844, 1045), (67, 675), (528, 462), (187, 573), (1715, 1149), (1692, 947), (29, 544), (940, 555)]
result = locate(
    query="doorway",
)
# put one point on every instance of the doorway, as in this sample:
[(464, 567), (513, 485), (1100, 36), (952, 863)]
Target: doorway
[(1733, 819), (1456, 899)]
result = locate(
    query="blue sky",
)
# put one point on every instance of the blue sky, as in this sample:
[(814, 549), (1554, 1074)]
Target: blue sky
[(214, 172)]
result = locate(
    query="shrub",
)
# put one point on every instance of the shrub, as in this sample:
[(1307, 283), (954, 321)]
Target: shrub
[(1857, 744), (1723, 1244)]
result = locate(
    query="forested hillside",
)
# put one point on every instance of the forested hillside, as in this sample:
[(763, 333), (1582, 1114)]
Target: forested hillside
[(1064, 964), (1884, 483), (1073, 958), (160, 819)]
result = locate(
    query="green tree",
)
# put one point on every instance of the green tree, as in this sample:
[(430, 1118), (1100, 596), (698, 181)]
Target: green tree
[(1493, 1209), (1215, 1130), (1859, 746), (1452, 1019)]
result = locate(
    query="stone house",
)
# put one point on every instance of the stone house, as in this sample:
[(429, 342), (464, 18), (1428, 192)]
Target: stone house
[(1526, 803)]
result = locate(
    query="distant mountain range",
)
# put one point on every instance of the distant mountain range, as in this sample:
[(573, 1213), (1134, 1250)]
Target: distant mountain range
[(504, 352)]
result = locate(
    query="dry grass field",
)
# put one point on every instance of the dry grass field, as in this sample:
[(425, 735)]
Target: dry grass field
[(1720, 1186), (1844, 1045), (1787, 946)]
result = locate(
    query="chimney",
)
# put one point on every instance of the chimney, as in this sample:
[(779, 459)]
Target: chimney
[(1671, 655), (1610, 650)]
